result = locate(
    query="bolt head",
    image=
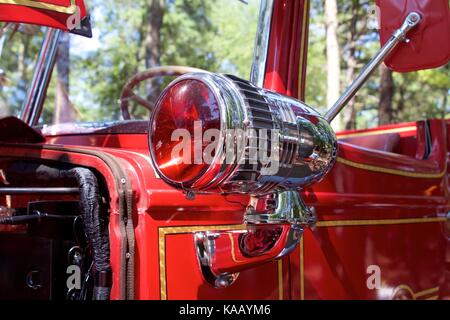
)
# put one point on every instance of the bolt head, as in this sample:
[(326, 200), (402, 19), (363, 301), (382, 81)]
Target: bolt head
[(190, 195)]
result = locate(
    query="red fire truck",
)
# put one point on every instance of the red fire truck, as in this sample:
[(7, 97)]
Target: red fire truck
[(354, 215)]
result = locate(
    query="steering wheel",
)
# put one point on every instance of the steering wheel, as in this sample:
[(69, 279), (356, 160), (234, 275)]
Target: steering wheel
[(127, 91)]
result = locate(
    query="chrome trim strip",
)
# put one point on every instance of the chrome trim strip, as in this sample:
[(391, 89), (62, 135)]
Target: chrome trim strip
[(35, 190), (262, 43)]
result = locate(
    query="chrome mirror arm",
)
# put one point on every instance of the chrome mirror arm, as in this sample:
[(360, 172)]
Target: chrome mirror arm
[(412, 20)]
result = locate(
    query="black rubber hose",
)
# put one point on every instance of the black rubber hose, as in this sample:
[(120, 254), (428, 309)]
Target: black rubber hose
[(96, 228), (30, 218), (95, 224)]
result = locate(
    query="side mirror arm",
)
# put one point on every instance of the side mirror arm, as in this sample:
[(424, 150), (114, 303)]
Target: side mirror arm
[(412, 20)]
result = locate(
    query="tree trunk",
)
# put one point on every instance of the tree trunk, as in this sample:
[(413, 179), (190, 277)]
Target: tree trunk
[(350, 110), (152, 43), (445, 107), (4, 109), (333, 58), (385, 110), (64, 112), (401, 99)]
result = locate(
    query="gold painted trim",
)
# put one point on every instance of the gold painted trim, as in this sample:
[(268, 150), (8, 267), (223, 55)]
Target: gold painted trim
[(43, 5), (233, 252), (302, 269), (426, 292), (163, 231), (280, 280), (375, 133), (417, 295), (403, 287), (392, 171), (353, 223)]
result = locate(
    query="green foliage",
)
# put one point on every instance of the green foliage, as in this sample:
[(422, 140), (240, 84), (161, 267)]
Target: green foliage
[(417, 95), (215, 35), (17, 61), (316, 79)]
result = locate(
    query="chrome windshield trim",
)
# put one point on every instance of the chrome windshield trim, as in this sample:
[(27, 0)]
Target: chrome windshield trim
[(34, 102), (262, 43), (94, 128)]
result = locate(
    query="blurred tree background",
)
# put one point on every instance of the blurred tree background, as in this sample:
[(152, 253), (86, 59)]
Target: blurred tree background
[(388, 97), (16, 64), (216, 35), (132, 36)]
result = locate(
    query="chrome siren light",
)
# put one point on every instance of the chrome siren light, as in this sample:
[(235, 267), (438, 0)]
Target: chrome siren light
[(213, 133)]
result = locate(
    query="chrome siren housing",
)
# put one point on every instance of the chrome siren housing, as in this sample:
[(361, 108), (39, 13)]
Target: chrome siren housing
[(291, 133)]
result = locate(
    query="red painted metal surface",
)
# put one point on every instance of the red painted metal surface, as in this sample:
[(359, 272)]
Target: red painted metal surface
[(288, 47), (51, 13), (429, 46), (398, 221)]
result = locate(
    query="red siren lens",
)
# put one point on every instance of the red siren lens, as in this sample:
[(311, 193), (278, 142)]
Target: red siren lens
[(184, 105), (259, 241)]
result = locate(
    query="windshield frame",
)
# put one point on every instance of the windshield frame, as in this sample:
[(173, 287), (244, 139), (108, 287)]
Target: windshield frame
[(261, 51), (37, 91)]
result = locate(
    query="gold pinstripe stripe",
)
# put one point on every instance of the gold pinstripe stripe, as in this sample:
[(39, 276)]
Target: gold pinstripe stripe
[(43, 5), (233, 253), (426, 292), (378, 132), (351, 223), (417, 295), (162, 264), (302, 269), (280, 280), (392, 171)]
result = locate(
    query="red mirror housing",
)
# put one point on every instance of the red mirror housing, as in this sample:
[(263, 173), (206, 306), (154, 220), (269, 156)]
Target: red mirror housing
[(60, 14), (429, 45)]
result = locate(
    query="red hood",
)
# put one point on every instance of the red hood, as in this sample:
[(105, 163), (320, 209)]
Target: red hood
[(61, 14)]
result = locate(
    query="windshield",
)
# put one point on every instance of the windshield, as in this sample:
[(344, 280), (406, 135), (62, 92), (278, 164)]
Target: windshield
[(133, 36), (19, 47)]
